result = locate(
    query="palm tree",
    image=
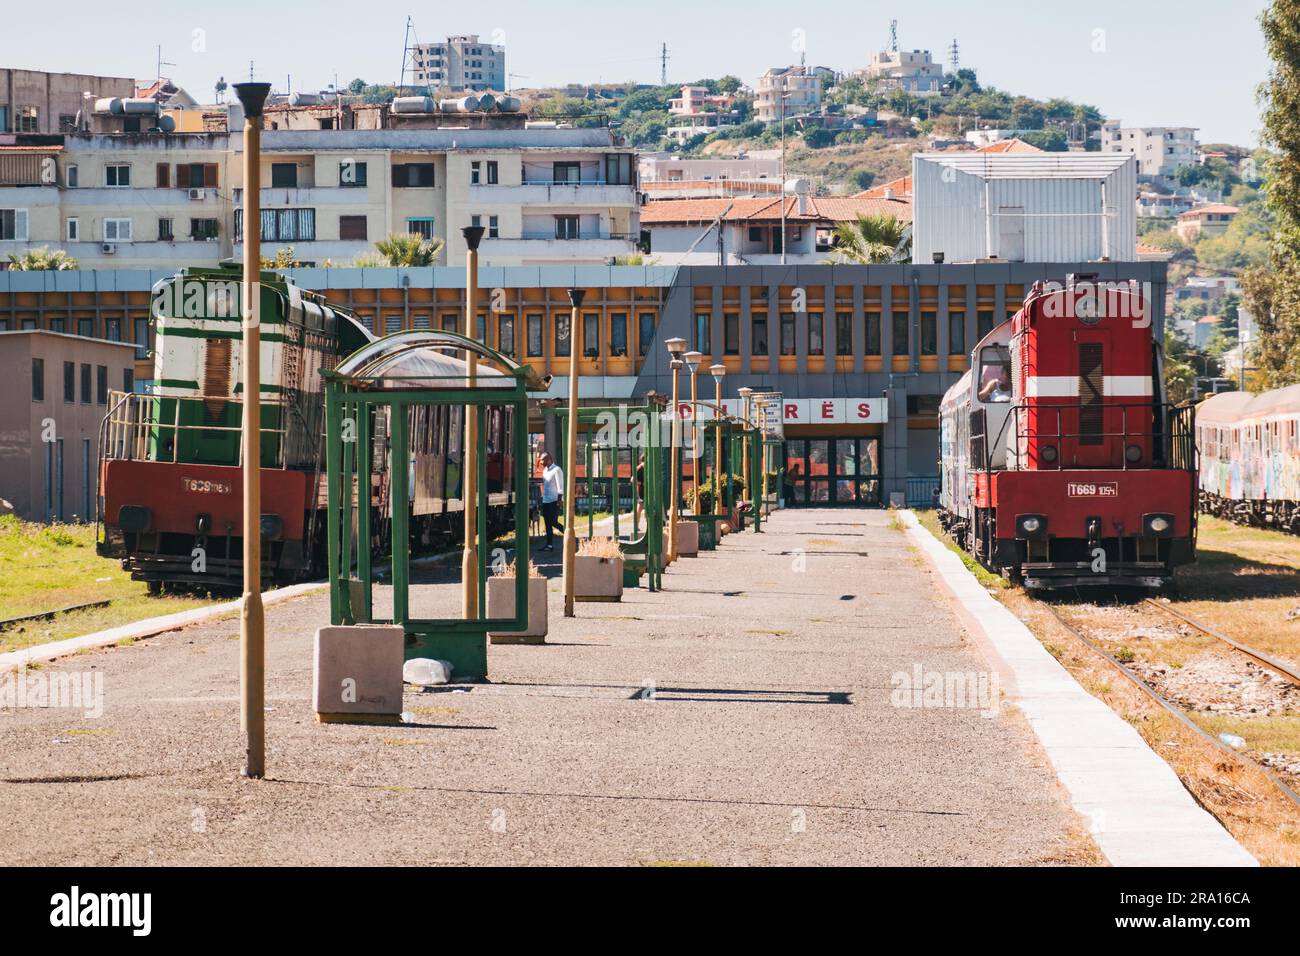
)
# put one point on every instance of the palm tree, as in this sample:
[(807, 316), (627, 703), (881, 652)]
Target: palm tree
[(43, 260), (875, 238), (408, 249)]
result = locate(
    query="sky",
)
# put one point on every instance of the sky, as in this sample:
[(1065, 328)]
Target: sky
[(1146, 62)]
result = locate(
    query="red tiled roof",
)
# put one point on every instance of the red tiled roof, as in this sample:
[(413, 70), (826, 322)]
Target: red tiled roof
[(827, 209), (1012, 145), (902, 188), (1214, 207)]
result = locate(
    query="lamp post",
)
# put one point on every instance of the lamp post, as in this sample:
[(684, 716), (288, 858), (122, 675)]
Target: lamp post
[(744, 392), (719, 372), (252, 623), (571, 453), (676, 349), (692, 360), (469, 480)]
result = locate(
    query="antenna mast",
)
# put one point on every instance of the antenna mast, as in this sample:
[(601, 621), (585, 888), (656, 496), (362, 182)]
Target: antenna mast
[(893, 36), (663, 65), (953, 55)]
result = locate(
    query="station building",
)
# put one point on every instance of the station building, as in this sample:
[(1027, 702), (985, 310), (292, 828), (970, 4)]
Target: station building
[(861, 354)]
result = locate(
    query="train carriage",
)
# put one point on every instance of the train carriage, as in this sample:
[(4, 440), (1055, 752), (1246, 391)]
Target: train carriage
[(1061, 465), (1250, 457)]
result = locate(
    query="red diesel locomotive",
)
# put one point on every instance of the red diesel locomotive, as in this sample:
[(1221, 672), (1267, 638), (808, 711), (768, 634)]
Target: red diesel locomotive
[(1061, 463)]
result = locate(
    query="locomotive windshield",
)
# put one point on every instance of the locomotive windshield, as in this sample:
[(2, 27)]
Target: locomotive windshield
[(995, 374)]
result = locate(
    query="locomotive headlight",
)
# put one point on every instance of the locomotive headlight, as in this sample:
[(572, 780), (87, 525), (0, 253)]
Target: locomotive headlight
[(1133, 453), (1158, 525), (1031, 526), (1049, 453)]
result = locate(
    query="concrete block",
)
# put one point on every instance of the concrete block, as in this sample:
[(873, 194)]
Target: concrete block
[(598, 579), (358, 670), (688, 539), (501, 603)]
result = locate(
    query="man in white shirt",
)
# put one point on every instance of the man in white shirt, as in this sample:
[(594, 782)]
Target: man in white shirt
[(552, 498)]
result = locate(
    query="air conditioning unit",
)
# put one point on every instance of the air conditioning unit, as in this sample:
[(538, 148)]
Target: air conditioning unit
[(198, 194), (108, 248)]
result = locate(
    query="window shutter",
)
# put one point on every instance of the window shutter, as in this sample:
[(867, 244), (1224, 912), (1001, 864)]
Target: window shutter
[(164, 175), (20, 225), (210, 175), (182, 176)]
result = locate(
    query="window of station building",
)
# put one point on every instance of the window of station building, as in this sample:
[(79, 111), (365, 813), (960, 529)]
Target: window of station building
[(450, 322), (618, 334), (843, 333), (421, 321), (703, 332), (141, 338), (71, 176), (983, 322), (480, 328), (758, 343), (900, 323), (284, 175), (929, 333), (352, 227), (475, 172), (494, 227), (493, 173), (562, 337), (645, 333), (787, 333), (86, 328), (957, 333), (421, 226), (128, 380), (413, 175), (352, 174), (535, 346), (816, 332), (56, 325), (101, 384), (113, 330), (506, 334), (392, 323), (85, 384), (591, 334), (731, 334), (69, 382), (13, 224), (117, 230), (74, 229), (166, 231), (117, 176), (38, 380)]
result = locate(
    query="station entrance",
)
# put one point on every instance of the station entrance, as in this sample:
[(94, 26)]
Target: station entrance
[(825, 471)]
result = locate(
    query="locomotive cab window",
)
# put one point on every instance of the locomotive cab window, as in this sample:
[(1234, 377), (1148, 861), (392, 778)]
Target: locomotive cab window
[(995, 374)]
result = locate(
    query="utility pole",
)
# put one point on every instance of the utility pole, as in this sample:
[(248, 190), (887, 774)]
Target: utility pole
[(469, 478), (571, 454), (252, 623)]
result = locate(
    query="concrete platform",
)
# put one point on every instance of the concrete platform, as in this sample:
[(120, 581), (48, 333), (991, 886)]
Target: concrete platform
[(1140, 812), (747, 714)]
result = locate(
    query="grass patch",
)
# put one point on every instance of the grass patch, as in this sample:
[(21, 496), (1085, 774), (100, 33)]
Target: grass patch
[(44, 567), (1272, 734), (929, 519)]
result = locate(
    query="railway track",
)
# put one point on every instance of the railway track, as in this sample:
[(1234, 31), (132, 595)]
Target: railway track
[(1272, 663), (1177, 712)]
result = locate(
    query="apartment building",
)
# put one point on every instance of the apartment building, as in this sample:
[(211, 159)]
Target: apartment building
[(913, 71), (460, 63), (1159, 149), (788, 91), (33, 101), (154, 200)]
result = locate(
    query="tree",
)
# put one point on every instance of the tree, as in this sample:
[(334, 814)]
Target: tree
[(408, 249), (43, 260), (868, 239), (1272, 293), (357, 86)]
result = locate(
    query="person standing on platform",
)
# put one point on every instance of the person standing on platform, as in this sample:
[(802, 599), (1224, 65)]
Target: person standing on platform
[(552, 499)]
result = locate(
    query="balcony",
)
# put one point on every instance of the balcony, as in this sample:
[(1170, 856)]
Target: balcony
[(595, 193), (544, 247)]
